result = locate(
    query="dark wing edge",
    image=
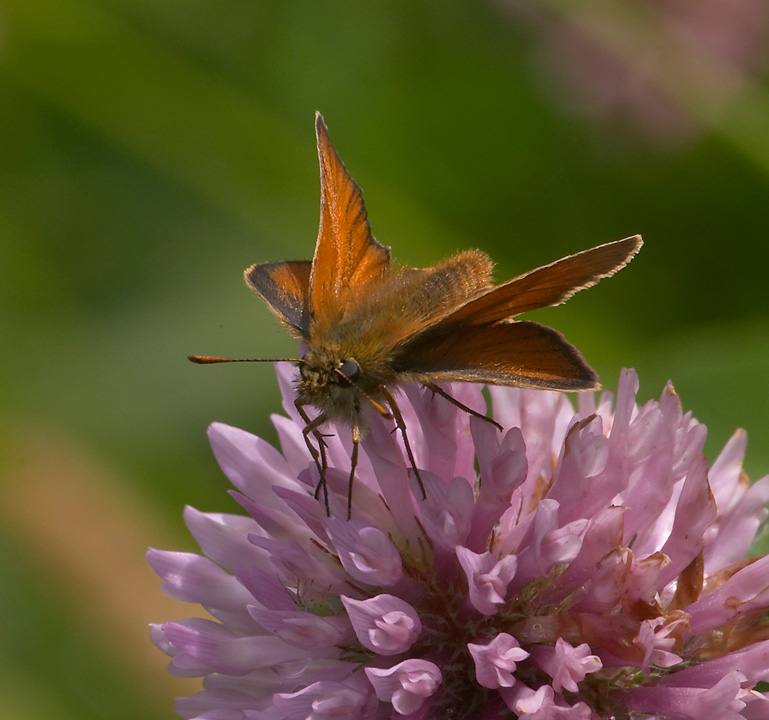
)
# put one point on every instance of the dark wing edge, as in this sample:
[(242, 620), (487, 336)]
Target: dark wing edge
[(520, 354), (347, 257), (284, 286)]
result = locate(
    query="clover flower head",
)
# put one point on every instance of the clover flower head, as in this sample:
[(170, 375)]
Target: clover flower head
[(578, 565)]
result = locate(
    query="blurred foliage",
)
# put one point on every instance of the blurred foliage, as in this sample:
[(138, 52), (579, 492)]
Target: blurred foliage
[(150, 150)]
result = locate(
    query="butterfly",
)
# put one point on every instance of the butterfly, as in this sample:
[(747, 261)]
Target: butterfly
[(369, 327)]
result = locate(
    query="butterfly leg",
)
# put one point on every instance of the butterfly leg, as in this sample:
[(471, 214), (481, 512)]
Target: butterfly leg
[(356, 436), (318, 454), (401, 425), (437, 390)]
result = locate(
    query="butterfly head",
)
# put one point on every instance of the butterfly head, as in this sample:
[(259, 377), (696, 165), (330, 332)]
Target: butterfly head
[(329, 381)]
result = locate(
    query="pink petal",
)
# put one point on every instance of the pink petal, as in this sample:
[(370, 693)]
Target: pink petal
[(384, 624), (746, 590), (487, 578), (392, 473), (365, 552), (304, 629), (406, 685), (602, 534), (224, 538), (726, 470), (730, 538), (495, 661), (566, 664), (203, 647), (502, 470), (695, 511), (325, 700), (721, 701), (752, 662), (195, 579), (251, 464), (657, 638), (447, 510)]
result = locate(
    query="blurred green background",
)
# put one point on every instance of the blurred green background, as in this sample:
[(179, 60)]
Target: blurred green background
[(150, 150)]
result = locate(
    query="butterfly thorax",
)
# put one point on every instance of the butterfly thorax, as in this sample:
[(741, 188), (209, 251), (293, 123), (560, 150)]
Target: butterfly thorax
[(338, 384)]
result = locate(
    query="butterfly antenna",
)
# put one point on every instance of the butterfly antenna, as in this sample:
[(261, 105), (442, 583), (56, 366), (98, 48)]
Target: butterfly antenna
[(210, 359)]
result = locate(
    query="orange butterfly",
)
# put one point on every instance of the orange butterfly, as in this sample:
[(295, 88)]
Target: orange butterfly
[(370, 328)]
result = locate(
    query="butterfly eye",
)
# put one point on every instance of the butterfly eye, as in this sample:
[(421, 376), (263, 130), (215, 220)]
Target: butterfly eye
[(350, 369)]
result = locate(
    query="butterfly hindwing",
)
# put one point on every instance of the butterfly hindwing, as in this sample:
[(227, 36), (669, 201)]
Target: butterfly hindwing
[(520, 354), (284, 286)]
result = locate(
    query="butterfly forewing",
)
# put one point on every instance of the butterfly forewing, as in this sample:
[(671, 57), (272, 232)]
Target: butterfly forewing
[(348, 260), (284, 286), (521, 354), (549, 285)]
